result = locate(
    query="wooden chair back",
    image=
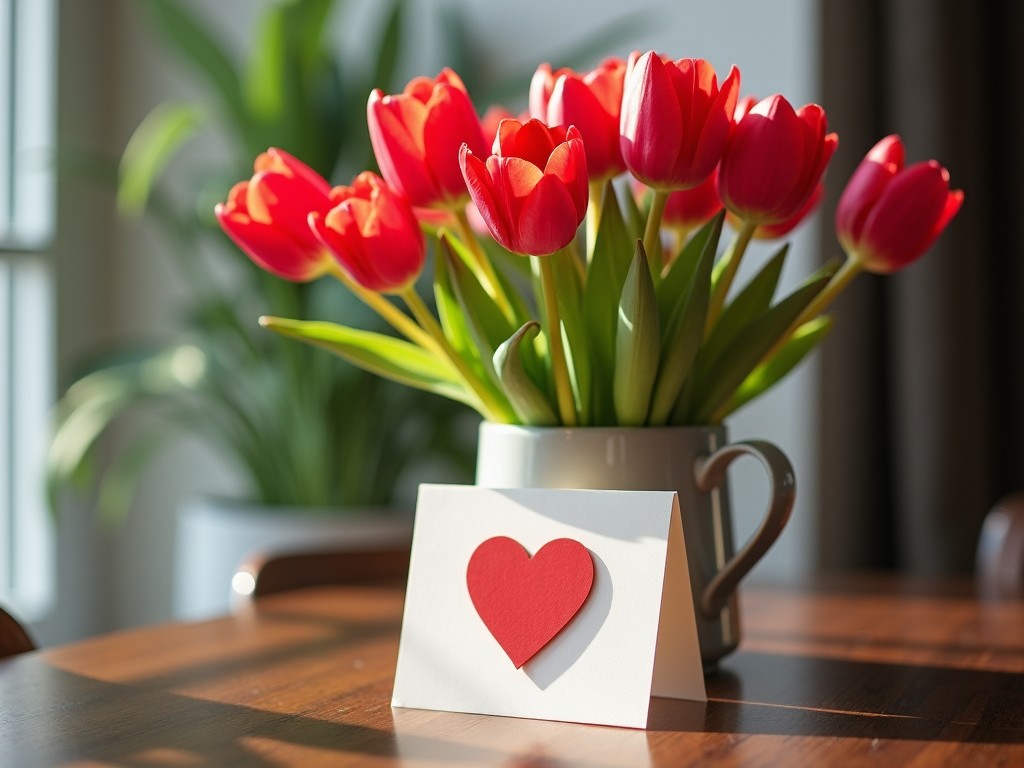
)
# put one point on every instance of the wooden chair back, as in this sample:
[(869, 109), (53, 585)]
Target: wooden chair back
[(1000, 560), (266, 573), (13, 637)]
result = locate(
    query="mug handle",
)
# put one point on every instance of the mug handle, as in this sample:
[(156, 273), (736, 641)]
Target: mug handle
[(709, 473)]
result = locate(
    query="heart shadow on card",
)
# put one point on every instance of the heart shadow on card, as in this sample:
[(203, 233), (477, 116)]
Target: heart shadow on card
[(565, 648)]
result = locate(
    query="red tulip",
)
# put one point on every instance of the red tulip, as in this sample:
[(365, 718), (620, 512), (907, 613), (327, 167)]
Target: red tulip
[(592, 103), (532, 192), (888, 215), (743, 106), (675, 120), (416, 137), (266, 216), (373, 233), (783, 228), (774, 161)]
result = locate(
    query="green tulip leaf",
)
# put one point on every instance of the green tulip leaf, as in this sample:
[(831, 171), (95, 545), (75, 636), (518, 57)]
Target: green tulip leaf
[(520, 311), (382, 355), (749, 304), (151, 148), (569, 292), (529, 402), (637, 343), (769, 373), (453, 321), (672, 286), (715, 385), (606, 275), (481, 314), (685, 332), (634, 216)]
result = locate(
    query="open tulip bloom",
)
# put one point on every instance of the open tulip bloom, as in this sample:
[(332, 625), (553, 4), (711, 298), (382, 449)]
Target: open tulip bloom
[(589, 303)]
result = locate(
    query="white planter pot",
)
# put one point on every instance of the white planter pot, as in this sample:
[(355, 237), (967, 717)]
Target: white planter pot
[(214, 536)]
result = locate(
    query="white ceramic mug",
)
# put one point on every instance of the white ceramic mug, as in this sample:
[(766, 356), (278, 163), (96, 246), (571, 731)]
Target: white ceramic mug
[(689, 460)]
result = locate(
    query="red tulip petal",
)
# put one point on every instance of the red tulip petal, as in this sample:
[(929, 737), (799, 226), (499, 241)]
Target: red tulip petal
[(450, 122), (283, 162), (541, 86), (237, 197), (531, 141), (714, 135), (783, 228), (650, 125), (284, 203), (763, 161), (547, 220), (272, 249), (889, 151), (396, 133), (479, 180), (605, 83), (902, 224), (864, 188), (572, 103)]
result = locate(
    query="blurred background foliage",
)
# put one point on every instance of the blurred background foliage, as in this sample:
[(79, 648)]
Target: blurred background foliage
[(303, 428)]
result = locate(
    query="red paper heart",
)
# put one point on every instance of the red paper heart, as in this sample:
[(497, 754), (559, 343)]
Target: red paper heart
[(526, 601)]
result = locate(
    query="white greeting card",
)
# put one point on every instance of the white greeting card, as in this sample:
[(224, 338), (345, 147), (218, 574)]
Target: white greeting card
[(551, 604)]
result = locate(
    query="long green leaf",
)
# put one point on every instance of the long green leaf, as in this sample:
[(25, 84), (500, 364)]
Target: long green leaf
[(806, 338), (637, 343), (151, 148), (480, 312), (606, 275), (749, 304), (671, 288), (529, 402), (684, 334), (453, 320), (575, 342), (384, 356), (714, 386)]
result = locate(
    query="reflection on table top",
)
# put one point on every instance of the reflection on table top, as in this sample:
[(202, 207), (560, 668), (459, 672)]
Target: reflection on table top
[(864, 670)]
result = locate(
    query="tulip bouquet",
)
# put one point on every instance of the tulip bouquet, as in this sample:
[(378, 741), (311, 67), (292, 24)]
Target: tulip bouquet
[(562, 297)]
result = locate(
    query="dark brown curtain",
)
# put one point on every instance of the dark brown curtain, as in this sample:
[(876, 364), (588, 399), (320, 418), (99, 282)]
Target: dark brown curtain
[(922, 424)]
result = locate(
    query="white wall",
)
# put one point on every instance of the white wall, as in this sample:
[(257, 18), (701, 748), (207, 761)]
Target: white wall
[(116, 283)]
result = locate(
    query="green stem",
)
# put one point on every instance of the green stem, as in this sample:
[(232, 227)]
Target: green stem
[(593, 216), (840, 280), (494, 410), (652, 232), (727, 273), (559, 367), (392, 314), (483, 267)]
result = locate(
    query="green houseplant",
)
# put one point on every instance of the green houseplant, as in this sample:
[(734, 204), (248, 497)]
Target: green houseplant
[(305, 434), (275, 411), (303, 430)]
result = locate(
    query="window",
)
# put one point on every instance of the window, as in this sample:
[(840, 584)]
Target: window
[(27, 78)]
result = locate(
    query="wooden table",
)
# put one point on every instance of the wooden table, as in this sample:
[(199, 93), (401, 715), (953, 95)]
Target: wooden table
[(874, 675)]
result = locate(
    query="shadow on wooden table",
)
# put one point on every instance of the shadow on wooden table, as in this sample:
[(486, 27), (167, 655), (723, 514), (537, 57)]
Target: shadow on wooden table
[(777, 694), (145, 725)]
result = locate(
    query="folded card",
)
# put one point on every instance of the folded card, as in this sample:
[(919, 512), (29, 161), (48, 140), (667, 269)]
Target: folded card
[(550, 604)]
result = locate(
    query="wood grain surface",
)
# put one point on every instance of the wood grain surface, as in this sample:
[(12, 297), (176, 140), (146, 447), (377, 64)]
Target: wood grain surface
[(862, 672)]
